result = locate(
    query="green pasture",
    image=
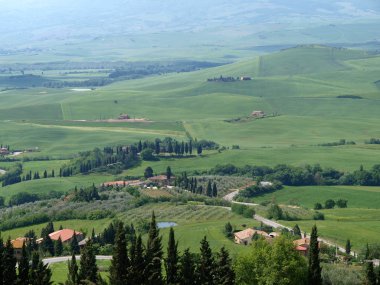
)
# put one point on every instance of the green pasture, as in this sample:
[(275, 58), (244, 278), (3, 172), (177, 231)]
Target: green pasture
[(364, 197)]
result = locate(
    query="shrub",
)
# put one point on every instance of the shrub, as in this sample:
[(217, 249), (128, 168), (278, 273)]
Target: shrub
[(329, 204), (317, 206), (275, 212), (341, 203), (318, 216)]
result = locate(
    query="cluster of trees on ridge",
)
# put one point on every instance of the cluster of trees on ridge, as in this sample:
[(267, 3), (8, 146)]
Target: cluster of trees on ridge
[(303, 175)]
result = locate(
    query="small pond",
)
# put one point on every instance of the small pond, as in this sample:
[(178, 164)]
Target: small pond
[(162, 225)]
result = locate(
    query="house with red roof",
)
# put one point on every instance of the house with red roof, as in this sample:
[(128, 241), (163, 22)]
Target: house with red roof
[(66, 235), (245, 236)]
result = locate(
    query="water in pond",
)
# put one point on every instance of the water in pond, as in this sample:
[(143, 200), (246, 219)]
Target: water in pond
[(162, 225)]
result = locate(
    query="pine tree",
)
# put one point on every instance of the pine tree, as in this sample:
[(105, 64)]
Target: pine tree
[(348, 247), (74, 246), (168, 173), (58, 249), (224, 274), (314, 274), (171, 262), (23, 267), (370, 274), (120, 261), (187, 268), (153, 255), (297, 231), (88, 268), (206, 267), (214, 190), (72, 275), (9, 264)]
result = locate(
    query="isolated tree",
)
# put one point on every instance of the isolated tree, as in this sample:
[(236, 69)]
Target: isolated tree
[(9, 264), (23, 267), (314, 275), (171, 262), (74, 245), (148, 172), (120, 261), (206, 267), (187, 268), (52, 173), (348, 247), (58, 248), (224, 273), (72, 275), (88, 268), (45, 174), (297, 231), (168, 173), (153, 255)]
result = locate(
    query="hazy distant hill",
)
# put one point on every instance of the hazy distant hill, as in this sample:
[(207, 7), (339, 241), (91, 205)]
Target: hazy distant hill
[(26, 20)]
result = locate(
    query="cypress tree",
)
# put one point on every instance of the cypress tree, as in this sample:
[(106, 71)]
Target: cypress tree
[(370, 274), (48, 245), (209, 189), (137, 263), (297, 231), (314, 274), (206, 267), (153, 255), (214, 190), (72, 275), (139, 146), (168, 173), (40, 274), (9, 264), (88, 269), (170, 147), (58, 249), (171, 262), (157, 147), (190, 147), (224, 274), (348, 247), (187, 268), (199, 150), (120, 261), (74, 246), (23, 267)]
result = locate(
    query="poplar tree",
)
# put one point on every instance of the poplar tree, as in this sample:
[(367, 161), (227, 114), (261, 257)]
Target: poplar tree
[(206, 264), (72, 275), (9, 264), (171, 262), (88, 268), (187, 269), (120, 261), (224, 274), (23, 267), (314, 274), (153, 255)]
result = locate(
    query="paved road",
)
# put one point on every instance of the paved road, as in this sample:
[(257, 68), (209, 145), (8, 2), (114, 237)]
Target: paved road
[(52, 260)]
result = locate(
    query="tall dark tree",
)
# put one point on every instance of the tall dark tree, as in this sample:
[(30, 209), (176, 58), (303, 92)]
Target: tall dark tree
[(153, 255), (9, 264), (314, 273), (120, 261), (157, 148), (148, 172), (190, 147), (170, 147), (206, 266), (171, 262), (370, 276), (88, 268), (23, 267), (187, 268), (168, 173), (214, 190), (137, 263), (74, 245), (224, 274), (139, 146), (40, 273), (199, 149), (72, 275), (209, 189), (348, 247), (58, 247), (297, 231)]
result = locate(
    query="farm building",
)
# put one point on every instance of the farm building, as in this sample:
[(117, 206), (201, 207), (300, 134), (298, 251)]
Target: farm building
[(245, 78), (124, 117), (161, 180), (245, 236), (66, 235), (302, 245), (257, 114), (4, 151), (17, 246)]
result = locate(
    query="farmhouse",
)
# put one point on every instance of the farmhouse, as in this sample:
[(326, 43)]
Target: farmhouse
[(124, 117), (17, 246), (161, 180), (245, 236), (4, 151), (257, 114), (302, 245), (66, 235)]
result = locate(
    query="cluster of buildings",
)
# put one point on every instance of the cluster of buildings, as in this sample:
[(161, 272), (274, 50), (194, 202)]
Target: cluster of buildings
[(246, 237)]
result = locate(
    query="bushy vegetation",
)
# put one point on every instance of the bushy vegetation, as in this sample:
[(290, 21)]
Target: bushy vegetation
[(243, 210), (259, 189)]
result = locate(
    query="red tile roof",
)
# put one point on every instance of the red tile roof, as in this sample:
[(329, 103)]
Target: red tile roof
[(65, 234)]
